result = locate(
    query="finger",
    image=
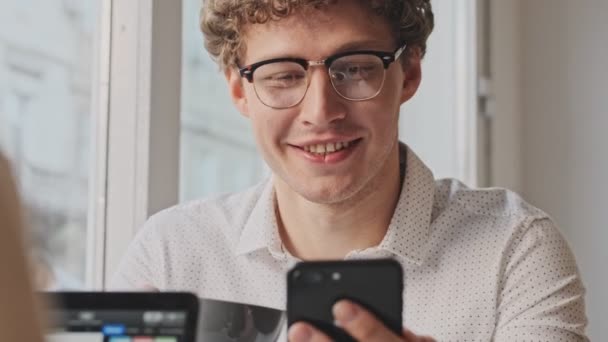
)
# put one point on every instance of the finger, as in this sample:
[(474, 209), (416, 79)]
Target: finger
[(361, 324), (304, 332), (149, 288), (409, 336), (426, 339)]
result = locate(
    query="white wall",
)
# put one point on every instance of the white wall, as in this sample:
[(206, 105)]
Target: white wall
[(437, 121), (564, 92), (427, 120), (505, 63)]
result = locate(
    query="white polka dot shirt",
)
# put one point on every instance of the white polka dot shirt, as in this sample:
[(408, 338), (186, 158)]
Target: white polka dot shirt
[(479, 265)]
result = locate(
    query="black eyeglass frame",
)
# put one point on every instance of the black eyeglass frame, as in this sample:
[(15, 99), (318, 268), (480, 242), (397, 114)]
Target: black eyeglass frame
[(386, 57)]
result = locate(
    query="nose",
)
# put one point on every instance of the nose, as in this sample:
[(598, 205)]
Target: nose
[(321, 106)]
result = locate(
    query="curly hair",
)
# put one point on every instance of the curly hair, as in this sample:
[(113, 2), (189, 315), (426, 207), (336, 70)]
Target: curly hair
[(223, 22)]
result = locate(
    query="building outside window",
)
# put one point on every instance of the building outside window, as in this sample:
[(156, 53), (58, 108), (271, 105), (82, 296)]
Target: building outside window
[(45, 126)]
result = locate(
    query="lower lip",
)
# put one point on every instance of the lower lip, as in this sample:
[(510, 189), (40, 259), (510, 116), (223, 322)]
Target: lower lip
[(331, 158)]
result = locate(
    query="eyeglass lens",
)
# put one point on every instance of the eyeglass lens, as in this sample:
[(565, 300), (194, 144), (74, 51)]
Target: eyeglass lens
[(284, 84)]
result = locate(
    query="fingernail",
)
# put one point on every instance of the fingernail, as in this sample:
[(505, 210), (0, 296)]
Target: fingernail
[(344, 312), (299, 333)]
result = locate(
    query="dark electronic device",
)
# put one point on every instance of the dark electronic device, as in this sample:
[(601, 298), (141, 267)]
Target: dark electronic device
[(314, 287), (157, 316)]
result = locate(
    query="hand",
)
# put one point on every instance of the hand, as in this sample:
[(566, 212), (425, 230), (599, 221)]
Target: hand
[(356, 321)]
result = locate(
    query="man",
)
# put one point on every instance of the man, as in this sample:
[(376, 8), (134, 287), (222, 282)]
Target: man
[(322, 83)]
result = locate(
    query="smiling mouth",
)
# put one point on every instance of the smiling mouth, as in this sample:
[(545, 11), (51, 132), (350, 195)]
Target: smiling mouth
[(329, 148)]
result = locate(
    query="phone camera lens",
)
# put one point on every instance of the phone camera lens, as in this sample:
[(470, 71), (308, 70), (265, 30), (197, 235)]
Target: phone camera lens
[(313, 277), (336, 276)]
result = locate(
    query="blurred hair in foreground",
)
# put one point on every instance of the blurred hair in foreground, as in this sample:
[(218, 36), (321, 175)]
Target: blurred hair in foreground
[(20, 318)]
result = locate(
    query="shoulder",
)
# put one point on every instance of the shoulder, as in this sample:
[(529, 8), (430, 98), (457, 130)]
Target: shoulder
[(222, 216), (176, 244), (491, 202), (498, 220), (496, 211), (494, 216)]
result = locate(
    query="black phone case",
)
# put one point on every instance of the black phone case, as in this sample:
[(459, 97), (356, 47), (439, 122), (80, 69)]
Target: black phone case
[(313, 288)]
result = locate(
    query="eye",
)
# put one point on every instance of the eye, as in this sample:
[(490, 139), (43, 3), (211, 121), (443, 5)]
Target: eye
[(287, 76), (284, 79), (280, 75), (361, 70), (338, 76), (354, 71)]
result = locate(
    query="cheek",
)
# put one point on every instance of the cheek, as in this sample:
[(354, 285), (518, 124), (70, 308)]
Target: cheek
[(381, 114), (250, 92), (392, 89), (270, 126), (393, 94), (382, 120)]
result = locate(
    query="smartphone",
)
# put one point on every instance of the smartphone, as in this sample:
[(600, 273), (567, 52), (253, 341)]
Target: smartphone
[(314, 287)]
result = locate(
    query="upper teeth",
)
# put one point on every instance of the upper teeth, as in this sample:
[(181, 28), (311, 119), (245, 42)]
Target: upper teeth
[(327, 148)]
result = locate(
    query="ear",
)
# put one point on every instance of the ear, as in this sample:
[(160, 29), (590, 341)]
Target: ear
[(237, 92), (412, 74)]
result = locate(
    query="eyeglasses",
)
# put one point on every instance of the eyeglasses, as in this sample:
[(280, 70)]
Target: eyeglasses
[(356, 76)]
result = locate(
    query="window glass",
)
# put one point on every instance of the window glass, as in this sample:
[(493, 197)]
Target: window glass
[(218, 153), (45, 96)]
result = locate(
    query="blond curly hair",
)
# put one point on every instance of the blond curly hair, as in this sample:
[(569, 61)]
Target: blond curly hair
[(223, 22)]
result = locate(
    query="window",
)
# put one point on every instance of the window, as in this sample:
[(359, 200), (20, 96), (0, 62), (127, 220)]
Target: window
[(218, 152), (45, 125)]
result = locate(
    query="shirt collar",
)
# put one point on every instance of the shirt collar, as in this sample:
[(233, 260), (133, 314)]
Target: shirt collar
[(261, 229), (407, 233), (410, 227)]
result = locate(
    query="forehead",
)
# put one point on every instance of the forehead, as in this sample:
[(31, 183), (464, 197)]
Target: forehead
[(317, 33)]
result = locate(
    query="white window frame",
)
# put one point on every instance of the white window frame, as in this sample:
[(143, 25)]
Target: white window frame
[(137, 109), (466, 90), (449, 70), (96, 225)]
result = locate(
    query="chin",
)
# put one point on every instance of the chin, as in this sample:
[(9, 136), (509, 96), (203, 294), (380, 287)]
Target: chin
[(334, 194)]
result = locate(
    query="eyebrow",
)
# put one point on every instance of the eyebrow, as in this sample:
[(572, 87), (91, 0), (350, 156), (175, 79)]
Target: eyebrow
[(374, 44), (370, 44)]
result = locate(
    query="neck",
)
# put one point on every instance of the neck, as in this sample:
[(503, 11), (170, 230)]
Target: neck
[(314, 231)]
